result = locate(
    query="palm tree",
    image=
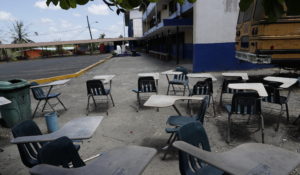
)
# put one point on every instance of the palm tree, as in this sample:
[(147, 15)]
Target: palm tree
[(102, 36), (19, 33)]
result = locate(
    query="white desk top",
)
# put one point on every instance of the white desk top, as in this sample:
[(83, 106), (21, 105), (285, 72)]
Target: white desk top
[(104, 78), (247, 159), (161, 101), (258, 87), (201, 75), (171, 72), (155, 75), (286, 82), (54, 83), (127, 160), (76, 129), (4, 101), (236, 74)]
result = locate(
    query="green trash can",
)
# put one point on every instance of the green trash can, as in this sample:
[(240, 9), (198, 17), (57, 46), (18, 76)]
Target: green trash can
[(17, 91)]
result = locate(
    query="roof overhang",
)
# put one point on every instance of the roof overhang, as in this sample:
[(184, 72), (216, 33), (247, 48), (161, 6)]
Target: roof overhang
[(42, 44)]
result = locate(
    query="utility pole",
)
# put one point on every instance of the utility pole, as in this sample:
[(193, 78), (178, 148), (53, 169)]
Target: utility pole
[(123, 43), (88, 22)]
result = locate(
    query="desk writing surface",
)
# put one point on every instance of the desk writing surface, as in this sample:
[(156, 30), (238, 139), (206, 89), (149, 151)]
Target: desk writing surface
[(4, 101), (201, 75), (104, 78), (244, 76), (258, 87), (76, 129), (155, 75), (167, 100), (286, 82), (248, 159), (171, 72), (54, 83), (127, 160)]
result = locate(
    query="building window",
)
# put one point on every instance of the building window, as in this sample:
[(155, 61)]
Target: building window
[(152, 22), (158, 17), (172, 7)]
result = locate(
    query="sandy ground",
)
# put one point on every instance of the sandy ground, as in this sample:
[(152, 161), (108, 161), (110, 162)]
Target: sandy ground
[(124, 126)]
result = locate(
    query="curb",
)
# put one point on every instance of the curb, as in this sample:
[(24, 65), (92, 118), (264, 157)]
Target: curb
[(67, 76)]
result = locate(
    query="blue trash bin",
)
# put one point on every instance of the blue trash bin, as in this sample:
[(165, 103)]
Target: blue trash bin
[(51, 121)]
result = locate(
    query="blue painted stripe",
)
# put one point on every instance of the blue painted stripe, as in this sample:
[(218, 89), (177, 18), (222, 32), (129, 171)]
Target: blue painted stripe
[(178, 22), (219, 57)]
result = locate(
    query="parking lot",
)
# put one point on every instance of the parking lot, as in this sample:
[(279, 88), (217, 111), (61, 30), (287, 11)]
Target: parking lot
[(46, 67)]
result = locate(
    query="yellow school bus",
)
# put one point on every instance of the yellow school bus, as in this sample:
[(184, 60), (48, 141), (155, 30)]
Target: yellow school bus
[(260, 41)]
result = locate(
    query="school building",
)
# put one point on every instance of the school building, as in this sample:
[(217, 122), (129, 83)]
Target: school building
[(203, 32)]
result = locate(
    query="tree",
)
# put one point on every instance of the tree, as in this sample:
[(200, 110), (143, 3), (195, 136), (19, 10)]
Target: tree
[(19, 33), (273, 8), (102, 36), (121, 5)]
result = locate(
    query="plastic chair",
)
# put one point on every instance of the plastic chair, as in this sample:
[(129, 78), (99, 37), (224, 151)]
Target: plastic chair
[(194, 134), (245, 103), (29, 151), (40, 95), (181, 79), (179, 121), (182, 120), (96, 88), (275, 98), (145, 85), (204, 88), (227, 90), (247, 159)]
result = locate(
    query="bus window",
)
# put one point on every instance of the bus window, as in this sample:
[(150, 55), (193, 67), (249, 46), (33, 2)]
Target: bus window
[(240, 19), (248, 13), (259, 12), (245, 42), (292, 7)]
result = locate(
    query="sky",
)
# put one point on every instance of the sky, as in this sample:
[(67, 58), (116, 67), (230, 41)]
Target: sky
[(52, 23)]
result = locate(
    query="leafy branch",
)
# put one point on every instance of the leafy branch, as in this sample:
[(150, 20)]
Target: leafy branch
[(121, 5), (274, 9)]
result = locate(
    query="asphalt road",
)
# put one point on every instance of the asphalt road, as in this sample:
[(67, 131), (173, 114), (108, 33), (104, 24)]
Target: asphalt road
[(46, 67)]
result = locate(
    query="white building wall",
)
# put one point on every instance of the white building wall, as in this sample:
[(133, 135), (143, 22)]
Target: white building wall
[(215, 21), (137, 27), (134, 14)]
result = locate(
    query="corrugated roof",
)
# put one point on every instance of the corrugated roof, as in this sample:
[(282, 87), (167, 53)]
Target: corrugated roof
[(10, 46)]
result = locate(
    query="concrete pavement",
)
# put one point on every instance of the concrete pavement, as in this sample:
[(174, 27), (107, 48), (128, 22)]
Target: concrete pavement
[(124, 126)]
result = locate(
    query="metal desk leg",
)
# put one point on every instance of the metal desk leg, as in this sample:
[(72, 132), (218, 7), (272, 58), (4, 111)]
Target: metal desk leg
[(157, 109), (47, 98), (177, 110), (168, 84), (295, 122), (171, 140), (168, 148)]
